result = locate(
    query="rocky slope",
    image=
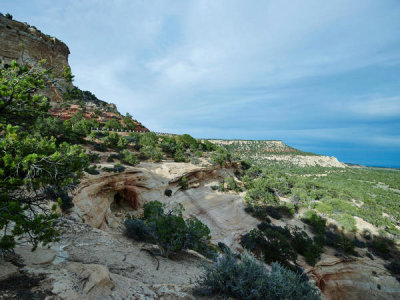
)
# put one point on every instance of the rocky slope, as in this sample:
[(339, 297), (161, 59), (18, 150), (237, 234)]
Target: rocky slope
[(93, 259)]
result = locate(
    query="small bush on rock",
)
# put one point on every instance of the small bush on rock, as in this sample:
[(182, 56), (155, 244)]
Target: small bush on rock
[(184, 183)]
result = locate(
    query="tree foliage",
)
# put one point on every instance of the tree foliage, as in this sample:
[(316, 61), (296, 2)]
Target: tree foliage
[(169, 230), (32, 162), (29, 165), (19, 103)]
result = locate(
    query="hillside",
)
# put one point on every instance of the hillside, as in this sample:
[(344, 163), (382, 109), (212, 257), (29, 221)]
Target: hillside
[(28, 45)]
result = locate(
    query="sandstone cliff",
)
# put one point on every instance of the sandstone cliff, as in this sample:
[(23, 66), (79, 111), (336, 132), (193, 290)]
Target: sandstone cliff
[(28, 45)]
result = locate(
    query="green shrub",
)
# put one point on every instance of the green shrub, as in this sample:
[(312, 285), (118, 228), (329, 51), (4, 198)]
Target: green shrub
[(179, 156), (67, 74), (116, 168), (113, 124), (305, 246), (248, 279), (100, 147), (153, 209), (208, 146), (92, 170), (271, 244), (153, 152), (317, 223), (111, 140), (94, 157), (128, 157), (259, 212), (186, 141), (232, 184), (348, 222), (393, 267), (342, 243), (8, 16), (198, 237), (220, 156), (381, 246), (184, 183), (137, 230), (169, 230), (148, 139), (168, 145)]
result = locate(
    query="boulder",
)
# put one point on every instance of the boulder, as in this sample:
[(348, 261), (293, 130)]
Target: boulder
[(94, 279)]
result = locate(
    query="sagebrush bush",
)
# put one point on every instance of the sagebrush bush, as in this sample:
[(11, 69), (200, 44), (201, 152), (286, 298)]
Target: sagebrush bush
[(249, 279)]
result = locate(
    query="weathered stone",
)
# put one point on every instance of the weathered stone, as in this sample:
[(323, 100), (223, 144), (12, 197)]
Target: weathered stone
[(95, 279), (360, 278), (41, 256), (7, 270)]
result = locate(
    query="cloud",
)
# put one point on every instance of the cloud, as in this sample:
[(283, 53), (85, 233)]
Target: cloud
[(385, 107)]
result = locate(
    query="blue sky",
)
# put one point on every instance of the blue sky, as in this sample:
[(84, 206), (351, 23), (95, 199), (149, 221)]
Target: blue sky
[(322, 76)]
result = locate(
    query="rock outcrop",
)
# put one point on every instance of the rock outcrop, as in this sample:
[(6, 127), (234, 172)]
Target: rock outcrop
[(26, 44), (359, 278), (102, 201)]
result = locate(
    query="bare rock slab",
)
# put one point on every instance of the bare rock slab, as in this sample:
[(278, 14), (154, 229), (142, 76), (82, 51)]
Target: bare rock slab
[(41, 256)]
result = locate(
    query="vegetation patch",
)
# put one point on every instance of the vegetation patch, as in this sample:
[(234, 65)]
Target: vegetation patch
[(169, 230), (248, 278)]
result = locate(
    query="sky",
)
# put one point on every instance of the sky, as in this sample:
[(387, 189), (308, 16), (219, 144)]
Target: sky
[(323, 76)]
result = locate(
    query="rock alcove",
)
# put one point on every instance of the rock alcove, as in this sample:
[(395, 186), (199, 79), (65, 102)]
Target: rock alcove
[(125, 200)]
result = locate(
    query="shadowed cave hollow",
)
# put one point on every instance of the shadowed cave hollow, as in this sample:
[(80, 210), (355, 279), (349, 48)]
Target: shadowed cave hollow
[(125, 200)]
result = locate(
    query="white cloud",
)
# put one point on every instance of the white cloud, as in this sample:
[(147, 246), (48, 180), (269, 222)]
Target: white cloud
[(384, 107)]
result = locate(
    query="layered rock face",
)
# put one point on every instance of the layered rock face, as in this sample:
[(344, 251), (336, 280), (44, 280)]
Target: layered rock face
[(361, 278), (103, 200), (26, 44)]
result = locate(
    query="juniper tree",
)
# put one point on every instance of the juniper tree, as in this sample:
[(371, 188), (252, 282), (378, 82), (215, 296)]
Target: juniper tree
[(33, 168)]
